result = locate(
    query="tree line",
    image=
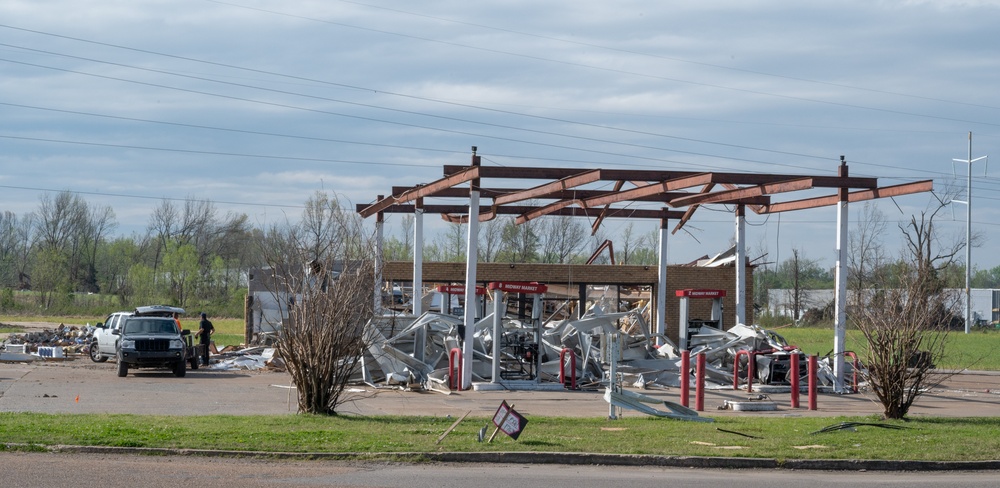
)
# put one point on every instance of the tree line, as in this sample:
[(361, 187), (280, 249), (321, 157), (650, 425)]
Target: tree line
[(192, 255)]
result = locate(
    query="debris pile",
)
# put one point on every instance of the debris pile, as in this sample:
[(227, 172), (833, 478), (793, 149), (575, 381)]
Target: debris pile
[(70, 339), (247, 359), (407, 350)]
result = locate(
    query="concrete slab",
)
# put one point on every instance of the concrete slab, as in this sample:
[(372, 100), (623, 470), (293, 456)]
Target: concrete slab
[(81, 386)]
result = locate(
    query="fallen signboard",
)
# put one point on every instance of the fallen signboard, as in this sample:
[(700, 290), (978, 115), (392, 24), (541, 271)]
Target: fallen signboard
[(509, 421)]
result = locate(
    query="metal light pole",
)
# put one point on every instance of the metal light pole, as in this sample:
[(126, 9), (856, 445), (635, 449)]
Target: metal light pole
[(968, 235)]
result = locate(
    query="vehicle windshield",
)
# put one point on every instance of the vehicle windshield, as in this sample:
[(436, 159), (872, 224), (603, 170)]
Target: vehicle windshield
[(146, 326)]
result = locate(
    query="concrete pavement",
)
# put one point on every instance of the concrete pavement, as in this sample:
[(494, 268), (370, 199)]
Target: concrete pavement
[(81, 386)]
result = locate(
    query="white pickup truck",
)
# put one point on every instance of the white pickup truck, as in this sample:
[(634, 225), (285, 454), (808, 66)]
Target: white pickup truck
[(105, 342)]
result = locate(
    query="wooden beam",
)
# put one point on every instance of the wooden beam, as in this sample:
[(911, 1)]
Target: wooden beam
[(728, 196), (857, 196)]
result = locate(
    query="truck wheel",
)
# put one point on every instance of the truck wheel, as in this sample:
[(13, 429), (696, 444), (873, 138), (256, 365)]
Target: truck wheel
[(122, 368), (95, 354), (180, 369)]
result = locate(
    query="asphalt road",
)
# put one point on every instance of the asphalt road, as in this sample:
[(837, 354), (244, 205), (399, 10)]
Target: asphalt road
[(75, 470)]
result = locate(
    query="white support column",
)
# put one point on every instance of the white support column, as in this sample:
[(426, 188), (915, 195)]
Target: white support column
[(471, 259), (840, 298), (740, 264), (418, 258), (498, 300), (661, 285), (379, 262)]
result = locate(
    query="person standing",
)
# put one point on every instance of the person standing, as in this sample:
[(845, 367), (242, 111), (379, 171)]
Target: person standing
[(205, 331)]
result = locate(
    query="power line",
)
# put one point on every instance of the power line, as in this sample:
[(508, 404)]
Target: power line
[(656, 56)]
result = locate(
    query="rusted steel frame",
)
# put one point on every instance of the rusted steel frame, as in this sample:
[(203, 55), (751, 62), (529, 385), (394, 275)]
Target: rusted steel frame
[(464, 218), (462, 192), (757, 208), (651, 189), (604, 245), (857, 196), (600, 218), (547, 210), (535, 173), (654, 175), (690, 211), (542, 190), (728, 196), (468, 174)]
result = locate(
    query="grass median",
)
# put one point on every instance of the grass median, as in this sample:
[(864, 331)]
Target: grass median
[(931, 439)]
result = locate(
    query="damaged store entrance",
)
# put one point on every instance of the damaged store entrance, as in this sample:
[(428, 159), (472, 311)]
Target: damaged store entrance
[(517, 343)]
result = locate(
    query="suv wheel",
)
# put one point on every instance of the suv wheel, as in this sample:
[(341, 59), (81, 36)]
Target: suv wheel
[(122, 368), (180, 369), (95, 354)]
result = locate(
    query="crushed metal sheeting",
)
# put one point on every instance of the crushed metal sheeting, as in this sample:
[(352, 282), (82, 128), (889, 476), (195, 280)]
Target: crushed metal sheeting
[(407, 350)]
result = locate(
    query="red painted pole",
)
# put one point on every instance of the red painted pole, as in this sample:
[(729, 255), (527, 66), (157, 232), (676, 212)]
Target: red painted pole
[(795, 379), (455, 369), (812, 382), (854, 369), (736, 367), (685, 377), (699, 395)]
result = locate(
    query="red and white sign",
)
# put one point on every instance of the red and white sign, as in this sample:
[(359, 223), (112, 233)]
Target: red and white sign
[(519, 287), (459, 289), (509, 421), (701, 293)]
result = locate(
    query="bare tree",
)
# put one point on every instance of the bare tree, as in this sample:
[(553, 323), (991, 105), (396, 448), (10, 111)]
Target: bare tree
[(630, 243), (329, 302), (491, 238), (520, 242), (905, 314), (318, 227), (561, 237), (452, 242)]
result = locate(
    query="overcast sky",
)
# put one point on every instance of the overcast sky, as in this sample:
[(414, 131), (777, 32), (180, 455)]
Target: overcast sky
[(257, 104)]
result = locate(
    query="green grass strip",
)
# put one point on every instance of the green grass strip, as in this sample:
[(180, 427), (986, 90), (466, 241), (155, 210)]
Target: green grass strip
[(923, 439)]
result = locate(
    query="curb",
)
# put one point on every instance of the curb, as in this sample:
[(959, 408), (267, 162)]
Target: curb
[(566, 458)]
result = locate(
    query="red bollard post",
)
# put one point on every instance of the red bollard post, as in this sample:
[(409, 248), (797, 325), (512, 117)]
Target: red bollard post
[(572, 367), (794, 373), (854, 369), (812, 382), (685, 377), (455, 369), (699, 386), (736, 368)]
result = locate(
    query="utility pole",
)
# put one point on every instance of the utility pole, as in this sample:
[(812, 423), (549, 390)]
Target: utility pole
[(968, 234)]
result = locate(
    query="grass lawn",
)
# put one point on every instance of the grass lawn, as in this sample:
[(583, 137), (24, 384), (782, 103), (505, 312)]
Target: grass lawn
[(976, 350), (781, 438)]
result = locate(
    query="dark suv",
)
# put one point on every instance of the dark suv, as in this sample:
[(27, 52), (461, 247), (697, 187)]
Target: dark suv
[(151, 342)]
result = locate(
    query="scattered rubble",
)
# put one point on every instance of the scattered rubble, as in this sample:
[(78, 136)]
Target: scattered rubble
[(63, 342), (403, 349)]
